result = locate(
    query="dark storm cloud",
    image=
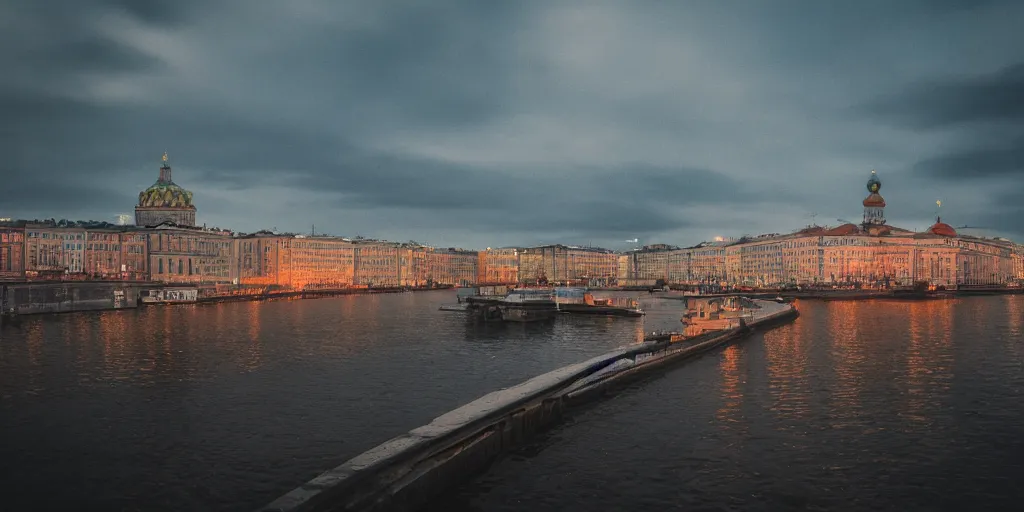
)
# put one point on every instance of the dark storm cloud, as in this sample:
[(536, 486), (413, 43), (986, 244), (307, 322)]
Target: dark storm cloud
[(977, 163), (985, 111), (545, 120), (958, 100), (381, 181)]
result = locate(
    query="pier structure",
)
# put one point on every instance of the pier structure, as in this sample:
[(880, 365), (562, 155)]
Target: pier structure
[(406, 472)]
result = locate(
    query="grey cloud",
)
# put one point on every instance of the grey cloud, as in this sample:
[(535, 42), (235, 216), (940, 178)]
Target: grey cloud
[(1005, 213), (941, 103), (313, 100), (984, 111), (975, 164)]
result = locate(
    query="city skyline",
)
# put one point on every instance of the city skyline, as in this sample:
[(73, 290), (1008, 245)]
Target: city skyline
[(575, 123)]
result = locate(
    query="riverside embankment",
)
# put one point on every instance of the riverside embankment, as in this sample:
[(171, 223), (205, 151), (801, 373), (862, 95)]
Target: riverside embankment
[(28, 298), (65, 297), (407, 471)]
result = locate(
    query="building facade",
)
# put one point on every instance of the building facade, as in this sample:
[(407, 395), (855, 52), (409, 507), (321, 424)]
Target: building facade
[(52, 251), (12, 253), (116, 254), (378, 264), (191, 255), (872, 254), (498, 266), (567, 264), (452, 267)]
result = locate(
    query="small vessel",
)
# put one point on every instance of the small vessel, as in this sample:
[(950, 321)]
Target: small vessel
[(655, 336), (579, 300), (170, 296), (518, 305), (528, 305), (716, 314), (921, 290), (454, 307)]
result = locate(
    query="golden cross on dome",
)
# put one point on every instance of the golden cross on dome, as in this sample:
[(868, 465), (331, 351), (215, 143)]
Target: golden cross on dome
[(165, 156)]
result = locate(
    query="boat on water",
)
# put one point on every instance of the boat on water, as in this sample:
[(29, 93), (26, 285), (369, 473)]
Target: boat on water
[(485, 293), (656, 336), (170, 296), (528, 305), (579, 300), (518, 305), (716, 314)]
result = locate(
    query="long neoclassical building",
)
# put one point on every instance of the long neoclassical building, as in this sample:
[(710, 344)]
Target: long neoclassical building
[(872, 253)]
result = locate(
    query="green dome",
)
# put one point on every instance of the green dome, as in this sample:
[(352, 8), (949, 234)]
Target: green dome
[(165, 195)]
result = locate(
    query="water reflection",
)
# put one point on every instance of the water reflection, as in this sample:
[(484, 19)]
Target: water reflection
[(928, 361), (848, 357), (253, 361), (1013, 338), (732, 382), (875, 405), (787, 361), (173, 401)]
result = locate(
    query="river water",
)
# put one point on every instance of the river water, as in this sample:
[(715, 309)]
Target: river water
[(855, 406), (228, 406)]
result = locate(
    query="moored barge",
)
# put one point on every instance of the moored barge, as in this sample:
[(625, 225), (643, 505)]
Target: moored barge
[(580, 301)]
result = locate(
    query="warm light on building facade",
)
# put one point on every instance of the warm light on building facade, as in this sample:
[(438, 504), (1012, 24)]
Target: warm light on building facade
[(872, 253)]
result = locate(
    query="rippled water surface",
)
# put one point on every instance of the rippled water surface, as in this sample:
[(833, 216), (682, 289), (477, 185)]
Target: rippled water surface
[(856, 406), (227, 406)]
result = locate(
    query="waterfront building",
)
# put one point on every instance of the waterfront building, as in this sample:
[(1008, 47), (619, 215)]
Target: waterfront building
[(567, 264), (52, 251), (651, 265), (112, 253), (12, 252), (295, 262), (707, 264), (179, 254), (452, 267), (164, 202), (873, 254), (498, 266), (321, 263), (626, 268), (678, 266), (414, 265), (261, 260), (377, 263)]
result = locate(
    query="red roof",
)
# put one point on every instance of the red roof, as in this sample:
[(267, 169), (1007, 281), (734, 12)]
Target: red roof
[(941, 228), (844, 230), (874, 200)]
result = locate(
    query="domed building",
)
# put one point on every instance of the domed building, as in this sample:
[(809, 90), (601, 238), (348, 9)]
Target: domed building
[(942, 229), (874, 205), (165, 201)]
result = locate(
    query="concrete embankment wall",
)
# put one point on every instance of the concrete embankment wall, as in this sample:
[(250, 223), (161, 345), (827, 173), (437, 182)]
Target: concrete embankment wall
[(404, 473), (62, 297)]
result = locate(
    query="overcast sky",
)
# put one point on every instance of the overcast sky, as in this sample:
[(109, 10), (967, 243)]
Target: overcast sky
[(488, 123)]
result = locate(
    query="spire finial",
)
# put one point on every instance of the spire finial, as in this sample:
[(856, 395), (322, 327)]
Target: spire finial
[(165, 170)]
